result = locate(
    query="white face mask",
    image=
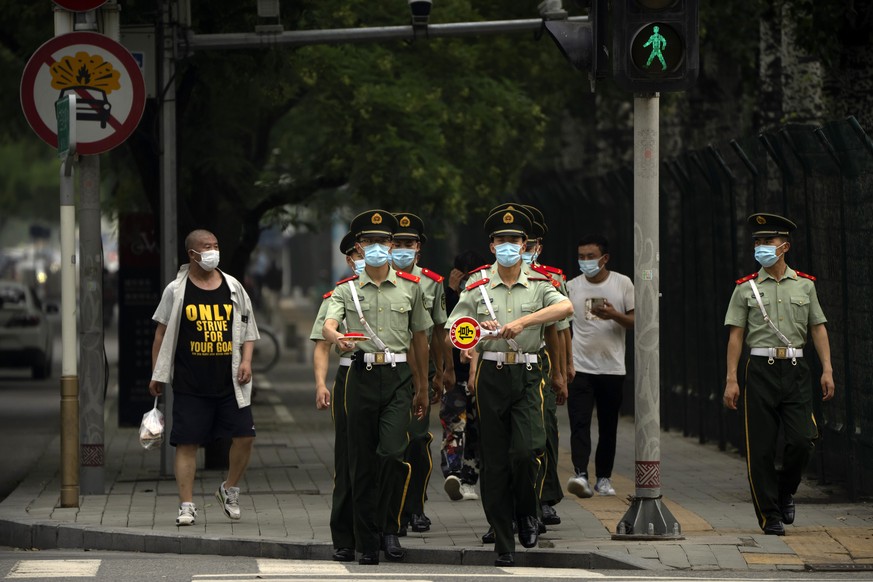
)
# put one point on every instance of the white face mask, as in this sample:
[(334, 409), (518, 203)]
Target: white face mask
[(208, 259)]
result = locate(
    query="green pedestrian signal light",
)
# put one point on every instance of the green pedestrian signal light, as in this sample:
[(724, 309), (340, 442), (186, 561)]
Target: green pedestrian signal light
[(657, 49), (655, 44)]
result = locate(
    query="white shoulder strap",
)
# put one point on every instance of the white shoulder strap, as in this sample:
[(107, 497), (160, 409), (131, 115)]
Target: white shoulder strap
[(379, 343), (772, 325), (512, 343)]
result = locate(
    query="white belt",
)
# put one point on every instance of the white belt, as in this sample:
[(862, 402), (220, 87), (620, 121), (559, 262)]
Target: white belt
[(345, 361), (380, 358), (781, 353), (510, 358)]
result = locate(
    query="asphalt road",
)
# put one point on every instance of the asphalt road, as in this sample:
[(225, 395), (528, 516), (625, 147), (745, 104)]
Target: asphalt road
[(113, 566), (29, 420)]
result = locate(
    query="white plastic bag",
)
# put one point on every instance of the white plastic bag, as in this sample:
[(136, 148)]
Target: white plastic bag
[(151, 430)]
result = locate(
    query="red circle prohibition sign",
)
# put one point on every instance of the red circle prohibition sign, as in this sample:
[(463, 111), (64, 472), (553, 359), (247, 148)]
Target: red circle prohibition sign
[(106, 113)]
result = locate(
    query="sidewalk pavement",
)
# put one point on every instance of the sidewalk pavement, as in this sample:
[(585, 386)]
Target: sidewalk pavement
[(286, 500)]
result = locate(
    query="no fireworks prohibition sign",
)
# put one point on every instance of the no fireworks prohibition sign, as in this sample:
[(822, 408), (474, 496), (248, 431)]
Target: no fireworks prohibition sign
[(103, 75)]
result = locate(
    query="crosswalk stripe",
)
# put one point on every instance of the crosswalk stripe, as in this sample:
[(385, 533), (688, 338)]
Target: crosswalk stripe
[(54, 569)]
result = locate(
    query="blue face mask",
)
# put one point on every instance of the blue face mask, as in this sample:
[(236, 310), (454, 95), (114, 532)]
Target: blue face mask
[(507, 254), (766, 255), (528, 258), (376, 255), (590, 268), (402, 258), (359, 266)]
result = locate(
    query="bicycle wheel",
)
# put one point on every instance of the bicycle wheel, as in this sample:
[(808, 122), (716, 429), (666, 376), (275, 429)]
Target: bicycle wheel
[(266, 352)]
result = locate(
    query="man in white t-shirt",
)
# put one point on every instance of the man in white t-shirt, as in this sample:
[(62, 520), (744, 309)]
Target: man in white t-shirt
[(603, 302)]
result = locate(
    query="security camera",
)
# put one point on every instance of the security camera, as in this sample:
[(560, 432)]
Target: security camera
[(420, 10)]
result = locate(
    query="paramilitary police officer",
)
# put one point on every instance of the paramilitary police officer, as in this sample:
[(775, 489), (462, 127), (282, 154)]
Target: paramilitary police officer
[(341, 517), (408, 239), (554, 368), (508, 380), (387, 307), (776, 306)]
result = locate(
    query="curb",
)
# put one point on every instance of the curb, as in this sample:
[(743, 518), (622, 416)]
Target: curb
[(49, 535)]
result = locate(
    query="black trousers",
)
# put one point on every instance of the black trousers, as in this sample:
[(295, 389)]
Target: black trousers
[(586, 391)]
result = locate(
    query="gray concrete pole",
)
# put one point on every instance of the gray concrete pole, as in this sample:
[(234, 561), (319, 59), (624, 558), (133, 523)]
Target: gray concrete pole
[(169, 226), (92, 371), (647, 518), (91, 337)]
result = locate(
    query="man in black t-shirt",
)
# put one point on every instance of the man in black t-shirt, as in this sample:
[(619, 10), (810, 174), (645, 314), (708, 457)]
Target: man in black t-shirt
[(206, 317)]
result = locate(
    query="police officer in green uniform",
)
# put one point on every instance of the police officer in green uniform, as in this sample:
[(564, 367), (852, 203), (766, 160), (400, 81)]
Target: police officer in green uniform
[(341, 517), (554, 372), (508, 381), (777, 385), (408, 239), (386, 307), (551, 490)]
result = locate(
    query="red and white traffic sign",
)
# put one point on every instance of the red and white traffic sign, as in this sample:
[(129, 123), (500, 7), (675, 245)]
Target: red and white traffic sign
[(105, 78), (80, 5), (465, 333)]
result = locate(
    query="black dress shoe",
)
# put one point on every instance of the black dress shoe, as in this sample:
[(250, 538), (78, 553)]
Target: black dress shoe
[(420, 522), (550, 516), (369, 559), (392, 549), (505, 560), (401, 533), (344, 555), (528, 531), (541, 527), (774, 528), (786, 505)]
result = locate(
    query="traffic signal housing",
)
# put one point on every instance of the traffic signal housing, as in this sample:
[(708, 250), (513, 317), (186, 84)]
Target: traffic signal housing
[(584, 44), (655, 44)]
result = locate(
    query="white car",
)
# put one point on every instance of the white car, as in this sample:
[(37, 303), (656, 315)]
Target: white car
[(25, 332)]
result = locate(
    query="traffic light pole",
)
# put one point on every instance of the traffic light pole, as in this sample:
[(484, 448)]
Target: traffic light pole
[(647, 518)]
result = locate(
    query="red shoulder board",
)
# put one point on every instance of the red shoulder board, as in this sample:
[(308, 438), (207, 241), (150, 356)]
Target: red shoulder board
[(408, 277), (477, 269), (477, 283), (347, 279), (543, 279), (326, 295), (747, 278), (554, 270), (555, 283), (805, 275), (541, 269), (436, 277)]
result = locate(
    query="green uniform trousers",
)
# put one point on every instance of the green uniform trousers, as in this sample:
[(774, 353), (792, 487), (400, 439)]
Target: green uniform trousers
[(341, 517), (419, 457), (512, 442), (550, 489), (777, 394), (378, 408)]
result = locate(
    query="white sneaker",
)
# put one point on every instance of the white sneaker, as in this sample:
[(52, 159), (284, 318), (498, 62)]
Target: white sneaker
[(604, 487), (187, 514), (468, 492), (579, 486), (229, 499), (453, 488)]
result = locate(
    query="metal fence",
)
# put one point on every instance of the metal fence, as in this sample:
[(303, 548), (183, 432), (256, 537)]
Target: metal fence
[(822, 178)]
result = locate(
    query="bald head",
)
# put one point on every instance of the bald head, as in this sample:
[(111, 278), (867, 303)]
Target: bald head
[(196, 237)]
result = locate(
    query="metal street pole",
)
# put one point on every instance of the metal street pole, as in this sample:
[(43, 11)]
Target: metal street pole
[(647, 518), (355, 35), (69, 428)]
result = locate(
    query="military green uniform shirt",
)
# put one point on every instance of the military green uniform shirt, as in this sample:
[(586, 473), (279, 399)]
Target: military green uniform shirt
[(523, 298), (792, 305), (393, 309)]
